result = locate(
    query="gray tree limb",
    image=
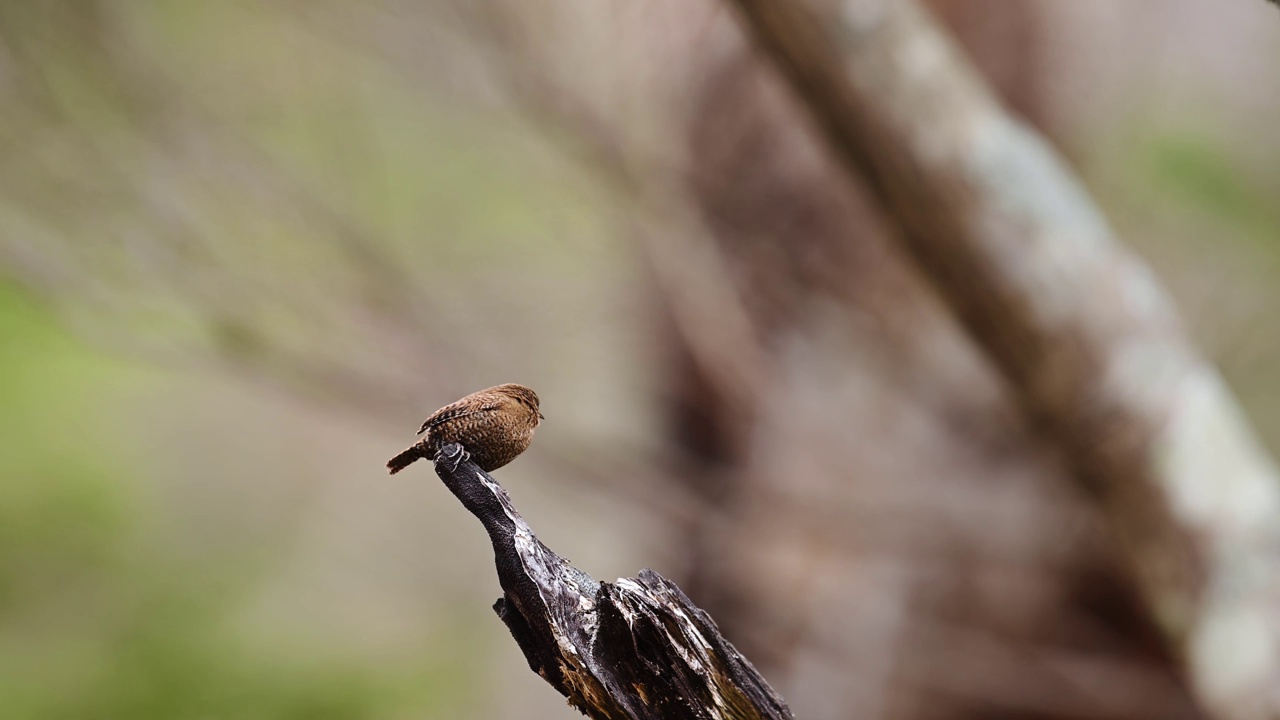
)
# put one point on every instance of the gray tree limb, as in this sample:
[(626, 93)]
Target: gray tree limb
[(635, 649), (1086, 338)]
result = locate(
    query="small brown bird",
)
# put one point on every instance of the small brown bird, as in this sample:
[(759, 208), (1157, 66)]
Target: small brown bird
[(494, 425)]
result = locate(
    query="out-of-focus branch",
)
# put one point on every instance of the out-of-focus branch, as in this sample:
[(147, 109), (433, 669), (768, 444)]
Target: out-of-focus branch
[(695, 288), (1075, 322), (635, 649)]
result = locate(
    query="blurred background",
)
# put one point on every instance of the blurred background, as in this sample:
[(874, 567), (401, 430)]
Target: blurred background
[(246, 247)]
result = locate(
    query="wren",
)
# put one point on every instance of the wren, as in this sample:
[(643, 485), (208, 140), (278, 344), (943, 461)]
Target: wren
[(493, 425)]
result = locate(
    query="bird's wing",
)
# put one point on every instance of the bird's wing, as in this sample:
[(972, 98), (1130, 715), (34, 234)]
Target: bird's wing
[(456, 410)]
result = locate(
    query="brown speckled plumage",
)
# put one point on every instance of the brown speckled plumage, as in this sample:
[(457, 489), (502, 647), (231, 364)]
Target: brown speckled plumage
[(494, 425)]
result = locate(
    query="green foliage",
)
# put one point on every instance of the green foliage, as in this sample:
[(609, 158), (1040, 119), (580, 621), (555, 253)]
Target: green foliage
[(59, 511), (96, 619), (1203, 177)]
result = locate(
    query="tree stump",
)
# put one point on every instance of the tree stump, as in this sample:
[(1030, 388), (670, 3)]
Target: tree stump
[(635, 649)]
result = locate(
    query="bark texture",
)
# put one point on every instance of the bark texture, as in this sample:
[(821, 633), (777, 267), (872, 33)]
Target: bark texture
[(635, 649)]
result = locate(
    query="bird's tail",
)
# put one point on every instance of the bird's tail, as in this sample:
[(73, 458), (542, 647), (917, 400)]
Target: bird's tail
[(404, 459)]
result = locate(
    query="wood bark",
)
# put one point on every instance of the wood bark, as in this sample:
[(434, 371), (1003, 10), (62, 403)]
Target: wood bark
[(1076, 324), (635, 649)]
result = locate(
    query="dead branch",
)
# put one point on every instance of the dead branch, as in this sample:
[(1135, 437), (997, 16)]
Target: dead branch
[(635, 649)]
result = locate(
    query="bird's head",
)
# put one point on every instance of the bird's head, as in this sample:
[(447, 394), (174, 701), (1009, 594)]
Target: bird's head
[(523, 395)]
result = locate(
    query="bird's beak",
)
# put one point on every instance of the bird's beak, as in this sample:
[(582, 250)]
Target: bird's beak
[(540, 417)]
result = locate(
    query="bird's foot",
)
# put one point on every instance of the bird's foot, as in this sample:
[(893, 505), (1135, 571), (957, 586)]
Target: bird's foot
[(452, 455), (462, 456)]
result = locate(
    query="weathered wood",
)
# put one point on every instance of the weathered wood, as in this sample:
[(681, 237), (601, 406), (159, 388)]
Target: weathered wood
[(635, 649)]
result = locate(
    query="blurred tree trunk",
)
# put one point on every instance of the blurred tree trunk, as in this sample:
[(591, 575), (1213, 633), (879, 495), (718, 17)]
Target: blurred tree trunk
[(800, 238), (1089, 345), (926, 421), (1004, 39)]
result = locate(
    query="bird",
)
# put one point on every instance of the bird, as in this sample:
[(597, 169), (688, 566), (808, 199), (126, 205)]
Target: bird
[(493, 425)]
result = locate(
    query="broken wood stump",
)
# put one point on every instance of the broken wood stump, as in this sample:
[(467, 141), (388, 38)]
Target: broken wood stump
[(635, 649)]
